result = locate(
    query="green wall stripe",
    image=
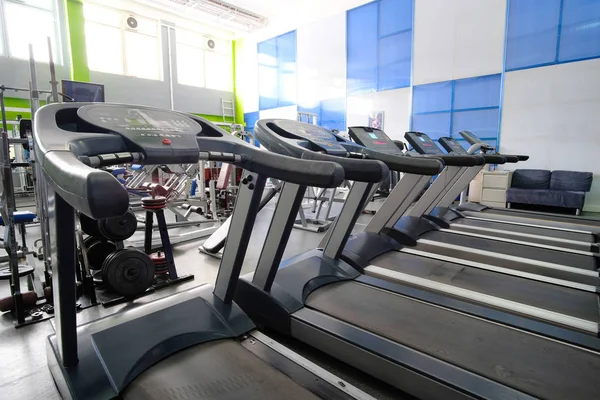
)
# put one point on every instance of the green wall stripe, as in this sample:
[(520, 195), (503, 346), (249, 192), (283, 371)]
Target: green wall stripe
[(16, 102), (236, 47), (76, 35)]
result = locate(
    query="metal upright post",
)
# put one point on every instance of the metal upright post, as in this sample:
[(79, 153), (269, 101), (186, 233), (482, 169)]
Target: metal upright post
[(282, 223), (342, 227), (53, 82), (240, 230)]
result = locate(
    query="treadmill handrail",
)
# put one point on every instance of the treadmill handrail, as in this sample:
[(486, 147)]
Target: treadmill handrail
[(98, 194), (355, 169)]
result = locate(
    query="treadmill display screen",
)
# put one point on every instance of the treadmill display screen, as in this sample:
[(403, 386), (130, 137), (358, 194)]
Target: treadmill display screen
[(313, 133), (422, 143), (374, 139), (452, 146)]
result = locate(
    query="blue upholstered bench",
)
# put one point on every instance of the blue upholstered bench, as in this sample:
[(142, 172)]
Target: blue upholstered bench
[(565, 189)]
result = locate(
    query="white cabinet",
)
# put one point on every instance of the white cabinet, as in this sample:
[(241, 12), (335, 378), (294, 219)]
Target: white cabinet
[(489, 188)]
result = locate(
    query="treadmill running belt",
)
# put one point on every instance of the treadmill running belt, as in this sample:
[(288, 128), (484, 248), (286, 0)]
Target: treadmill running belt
[(557, 234), (517, 250), (547, 296), (515, 265), (221, 369), (532, 364)]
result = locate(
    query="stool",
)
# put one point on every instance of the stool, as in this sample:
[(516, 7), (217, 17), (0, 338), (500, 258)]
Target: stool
[(21, 218)]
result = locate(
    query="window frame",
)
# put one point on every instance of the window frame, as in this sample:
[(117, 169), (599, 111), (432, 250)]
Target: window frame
[(123, 31), (59, 39)]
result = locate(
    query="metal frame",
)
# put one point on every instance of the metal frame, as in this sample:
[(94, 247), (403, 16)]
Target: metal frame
[(433, 195), (397, 202)]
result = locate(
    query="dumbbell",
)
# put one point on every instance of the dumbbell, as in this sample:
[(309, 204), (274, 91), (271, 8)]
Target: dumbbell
[(8, 303)]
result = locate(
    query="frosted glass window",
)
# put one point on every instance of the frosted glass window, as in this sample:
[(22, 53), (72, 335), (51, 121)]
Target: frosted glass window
[(190, 65), (141, 56), (20, 35), (104, 48), (219, 72)]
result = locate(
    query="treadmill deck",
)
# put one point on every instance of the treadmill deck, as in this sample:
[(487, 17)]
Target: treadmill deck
[(532, 364)]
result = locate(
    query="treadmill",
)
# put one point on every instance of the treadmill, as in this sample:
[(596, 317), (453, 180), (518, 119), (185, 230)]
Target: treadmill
[(433, 234), (193, 344), (429, 345), (507, 213), (561, 302), (436, 204), (519, 226)]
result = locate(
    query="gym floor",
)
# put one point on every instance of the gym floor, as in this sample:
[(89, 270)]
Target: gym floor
[(23, 351)]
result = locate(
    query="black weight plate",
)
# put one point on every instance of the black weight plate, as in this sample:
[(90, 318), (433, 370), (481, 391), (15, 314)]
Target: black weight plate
[(97, 253), (118, 228), (128, 272), (88, 241), (104, 270), (89, 226)]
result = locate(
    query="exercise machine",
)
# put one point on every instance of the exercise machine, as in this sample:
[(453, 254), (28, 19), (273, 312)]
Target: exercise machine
[(560, 302), (199, 341), (426, 344)]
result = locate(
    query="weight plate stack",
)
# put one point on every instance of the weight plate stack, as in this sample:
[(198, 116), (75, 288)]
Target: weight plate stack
[(160, 264), (89, 226), (97, 251), (128, 272), (118, 228)]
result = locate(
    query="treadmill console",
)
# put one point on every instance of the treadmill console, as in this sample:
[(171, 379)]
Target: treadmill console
[(374, 139), (162, 136), (472, 139), (452, 146), (422, 143), (320, 137)]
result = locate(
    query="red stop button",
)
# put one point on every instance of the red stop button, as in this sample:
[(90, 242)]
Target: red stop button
[(166, 141)]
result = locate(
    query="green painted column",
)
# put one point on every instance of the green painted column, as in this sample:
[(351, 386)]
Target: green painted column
[(238, 45), (76, 38)]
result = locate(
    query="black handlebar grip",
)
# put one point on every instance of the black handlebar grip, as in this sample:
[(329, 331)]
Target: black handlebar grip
[(355, 169), (409, 165), (95, 193), (522, 157), (460, 160), (510, 158), (326, 174), (494, 158)]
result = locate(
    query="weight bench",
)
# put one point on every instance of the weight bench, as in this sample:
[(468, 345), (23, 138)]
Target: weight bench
[(21, 218)]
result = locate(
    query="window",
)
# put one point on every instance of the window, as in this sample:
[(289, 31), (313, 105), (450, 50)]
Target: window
[(42, 15), (204, 61), (115, 48), (447, 108), (277, 72)]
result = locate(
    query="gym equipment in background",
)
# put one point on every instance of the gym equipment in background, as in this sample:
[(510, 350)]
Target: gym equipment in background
[(191, 339), (422, 342)]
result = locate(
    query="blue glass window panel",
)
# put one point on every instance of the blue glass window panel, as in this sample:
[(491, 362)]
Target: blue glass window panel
[(267, 87), (333, 114), (435, 125), (286, 52), (482, 91), (361, 42), (287, 92), (432, 97), (395, 16), (394, 61), (267, 53), (532, 32), (250, 119), (483, 123), (580, 32)]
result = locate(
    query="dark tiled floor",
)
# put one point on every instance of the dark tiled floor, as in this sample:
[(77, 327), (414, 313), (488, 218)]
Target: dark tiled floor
[(22, 351)]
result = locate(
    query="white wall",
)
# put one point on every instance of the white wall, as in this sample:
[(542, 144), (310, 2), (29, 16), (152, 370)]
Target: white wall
[(394, 103), (553, 113), (321, 60), (287, 112), (456, 39)]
